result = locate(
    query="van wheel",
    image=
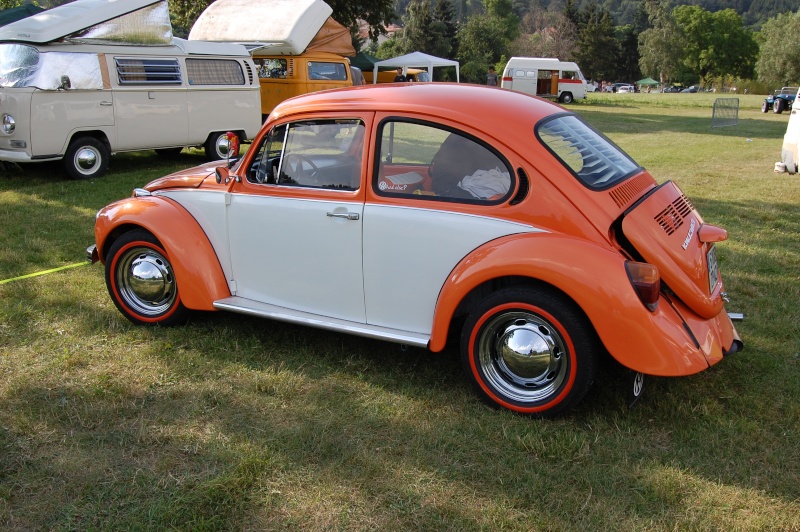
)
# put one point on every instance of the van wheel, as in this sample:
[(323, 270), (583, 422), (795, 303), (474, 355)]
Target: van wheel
[(217, 146), (529, 350), (86, 158), (566, 97)]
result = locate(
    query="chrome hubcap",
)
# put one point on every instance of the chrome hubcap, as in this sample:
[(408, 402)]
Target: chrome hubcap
[(523, 356), (86, 159), (146, 282), (223, 146)]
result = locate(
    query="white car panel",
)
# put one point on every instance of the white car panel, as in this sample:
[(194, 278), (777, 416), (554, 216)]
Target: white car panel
[(408, 255)]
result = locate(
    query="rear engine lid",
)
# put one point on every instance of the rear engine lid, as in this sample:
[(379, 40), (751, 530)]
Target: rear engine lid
[(664, 228)]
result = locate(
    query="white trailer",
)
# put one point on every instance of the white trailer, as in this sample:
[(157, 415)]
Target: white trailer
[(545, 77)]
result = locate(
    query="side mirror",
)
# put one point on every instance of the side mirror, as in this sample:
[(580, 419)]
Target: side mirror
[(66, 84), (223, 174)]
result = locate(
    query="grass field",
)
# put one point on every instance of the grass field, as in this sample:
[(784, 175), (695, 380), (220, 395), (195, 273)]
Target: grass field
[(239, 423)]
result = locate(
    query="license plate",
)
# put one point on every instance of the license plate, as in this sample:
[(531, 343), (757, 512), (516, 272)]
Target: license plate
[(713, 270)]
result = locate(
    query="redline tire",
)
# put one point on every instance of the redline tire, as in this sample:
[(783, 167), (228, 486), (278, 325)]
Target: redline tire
[(141, 282), (530, 350)]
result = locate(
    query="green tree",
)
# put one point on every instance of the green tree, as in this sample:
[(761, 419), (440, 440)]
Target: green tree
[(598, 52), (716, 44), (482, 42), (661, 45), (445, 14), (545, 33), (780, 49)]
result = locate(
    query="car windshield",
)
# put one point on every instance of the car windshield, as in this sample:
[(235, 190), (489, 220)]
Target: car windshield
[(594, 159), (24, 66)]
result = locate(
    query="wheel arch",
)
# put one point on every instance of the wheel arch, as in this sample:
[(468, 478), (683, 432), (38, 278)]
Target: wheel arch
[(194, 261), (97, 134), (592, 278)]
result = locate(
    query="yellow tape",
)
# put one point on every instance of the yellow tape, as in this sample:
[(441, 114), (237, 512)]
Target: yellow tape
[(4, 281)]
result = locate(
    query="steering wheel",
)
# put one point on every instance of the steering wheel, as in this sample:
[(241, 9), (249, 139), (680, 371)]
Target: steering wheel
[(297, 164)]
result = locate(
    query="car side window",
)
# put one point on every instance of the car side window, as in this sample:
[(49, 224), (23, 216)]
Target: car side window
[(313, 154), (424, 160)]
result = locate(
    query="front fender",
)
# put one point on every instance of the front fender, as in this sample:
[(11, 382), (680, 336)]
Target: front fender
[(200, 278), (594, 277)]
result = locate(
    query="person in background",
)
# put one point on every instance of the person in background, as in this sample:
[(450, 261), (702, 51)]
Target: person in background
[(491, 78), (400, 77)]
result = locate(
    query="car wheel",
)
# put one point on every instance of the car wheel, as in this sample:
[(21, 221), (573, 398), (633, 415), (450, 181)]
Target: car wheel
[(218, 147), (141, 281), (765, 106), (529, 350), (566, 97), (635, 385), (778, 105), (86, 157)]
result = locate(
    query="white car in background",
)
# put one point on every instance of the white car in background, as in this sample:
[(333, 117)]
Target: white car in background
[(626, 88)]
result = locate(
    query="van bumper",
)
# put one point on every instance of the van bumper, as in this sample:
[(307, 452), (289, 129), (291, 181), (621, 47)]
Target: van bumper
[(15, 156)]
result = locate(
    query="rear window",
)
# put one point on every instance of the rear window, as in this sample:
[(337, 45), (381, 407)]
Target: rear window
[(594, 159), (148, 71)]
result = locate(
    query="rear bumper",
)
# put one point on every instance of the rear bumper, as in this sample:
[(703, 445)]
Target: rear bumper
[(715, 338)]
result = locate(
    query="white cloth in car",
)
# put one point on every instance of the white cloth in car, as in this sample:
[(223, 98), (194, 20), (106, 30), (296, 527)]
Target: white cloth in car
[(484, 184)]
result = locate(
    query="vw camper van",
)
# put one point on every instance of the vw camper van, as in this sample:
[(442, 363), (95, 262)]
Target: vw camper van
[(95, 77), (296, 45), (545, 77)]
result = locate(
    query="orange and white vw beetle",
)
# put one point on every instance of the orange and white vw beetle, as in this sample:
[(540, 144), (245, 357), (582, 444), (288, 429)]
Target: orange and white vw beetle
[(402, 211)]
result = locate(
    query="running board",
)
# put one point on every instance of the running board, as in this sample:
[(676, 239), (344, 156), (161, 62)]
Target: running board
[(265, 310)]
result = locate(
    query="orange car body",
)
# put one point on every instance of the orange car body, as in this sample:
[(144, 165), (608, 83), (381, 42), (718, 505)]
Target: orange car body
[(548, 228)]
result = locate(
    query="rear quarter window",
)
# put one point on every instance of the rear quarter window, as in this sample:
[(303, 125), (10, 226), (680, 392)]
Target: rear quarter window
[(596, 161)]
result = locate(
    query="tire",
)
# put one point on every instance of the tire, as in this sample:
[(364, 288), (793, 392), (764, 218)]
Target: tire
[(566, 97), (216, 146), (778, 106), (765, 106), (524, 321), (86, 157), (141, 282)]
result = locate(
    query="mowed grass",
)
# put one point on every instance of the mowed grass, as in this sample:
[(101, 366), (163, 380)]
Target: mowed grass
[(234, 422)]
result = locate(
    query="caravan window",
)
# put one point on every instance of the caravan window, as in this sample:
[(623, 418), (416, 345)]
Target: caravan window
[(567, 74), (148, 71), (271, 68), (332, 71), (214, 72)]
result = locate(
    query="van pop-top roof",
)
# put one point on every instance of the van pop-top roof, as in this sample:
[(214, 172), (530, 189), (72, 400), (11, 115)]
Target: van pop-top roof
[(284, 27), (69, 19)]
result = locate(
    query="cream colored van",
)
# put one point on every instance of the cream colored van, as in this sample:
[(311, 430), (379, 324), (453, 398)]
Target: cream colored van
[(77, 85), (545, 77)]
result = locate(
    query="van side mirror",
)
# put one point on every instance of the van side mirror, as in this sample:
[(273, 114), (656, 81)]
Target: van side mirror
[(66, 84)]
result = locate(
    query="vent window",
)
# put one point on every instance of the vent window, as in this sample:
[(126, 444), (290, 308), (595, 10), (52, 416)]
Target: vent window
[(148, 71)]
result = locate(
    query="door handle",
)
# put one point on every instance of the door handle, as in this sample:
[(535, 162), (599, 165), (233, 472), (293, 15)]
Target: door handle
[(346, 215), (106, 103)]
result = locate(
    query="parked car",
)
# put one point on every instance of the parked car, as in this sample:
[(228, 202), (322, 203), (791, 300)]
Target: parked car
[(672, 89), (692, 88), (626, 88), (500, 219), (781, 100)]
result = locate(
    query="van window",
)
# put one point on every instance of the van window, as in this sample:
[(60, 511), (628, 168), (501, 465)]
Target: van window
[(214, 72), (424, 161), (569, 75), (148, 71), (329, 71), (24, 66), (271, 68)]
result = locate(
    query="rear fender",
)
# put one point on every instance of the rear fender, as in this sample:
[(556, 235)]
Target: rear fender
[(200, 277), (655, 343)]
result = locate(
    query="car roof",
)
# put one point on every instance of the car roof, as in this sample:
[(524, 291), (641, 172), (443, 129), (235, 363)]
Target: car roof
[(485, 108)]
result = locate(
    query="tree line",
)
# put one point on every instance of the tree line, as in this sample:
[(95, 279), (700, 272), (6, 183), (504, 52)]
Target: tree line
[(676, 44)]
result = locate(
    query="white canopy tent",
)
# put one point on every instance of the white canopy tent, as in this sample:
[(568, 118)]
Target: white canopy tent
[(415, 60)]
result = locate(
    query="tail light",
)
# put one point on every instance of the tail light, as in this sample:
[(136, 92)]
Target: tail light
[(646, 281)]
